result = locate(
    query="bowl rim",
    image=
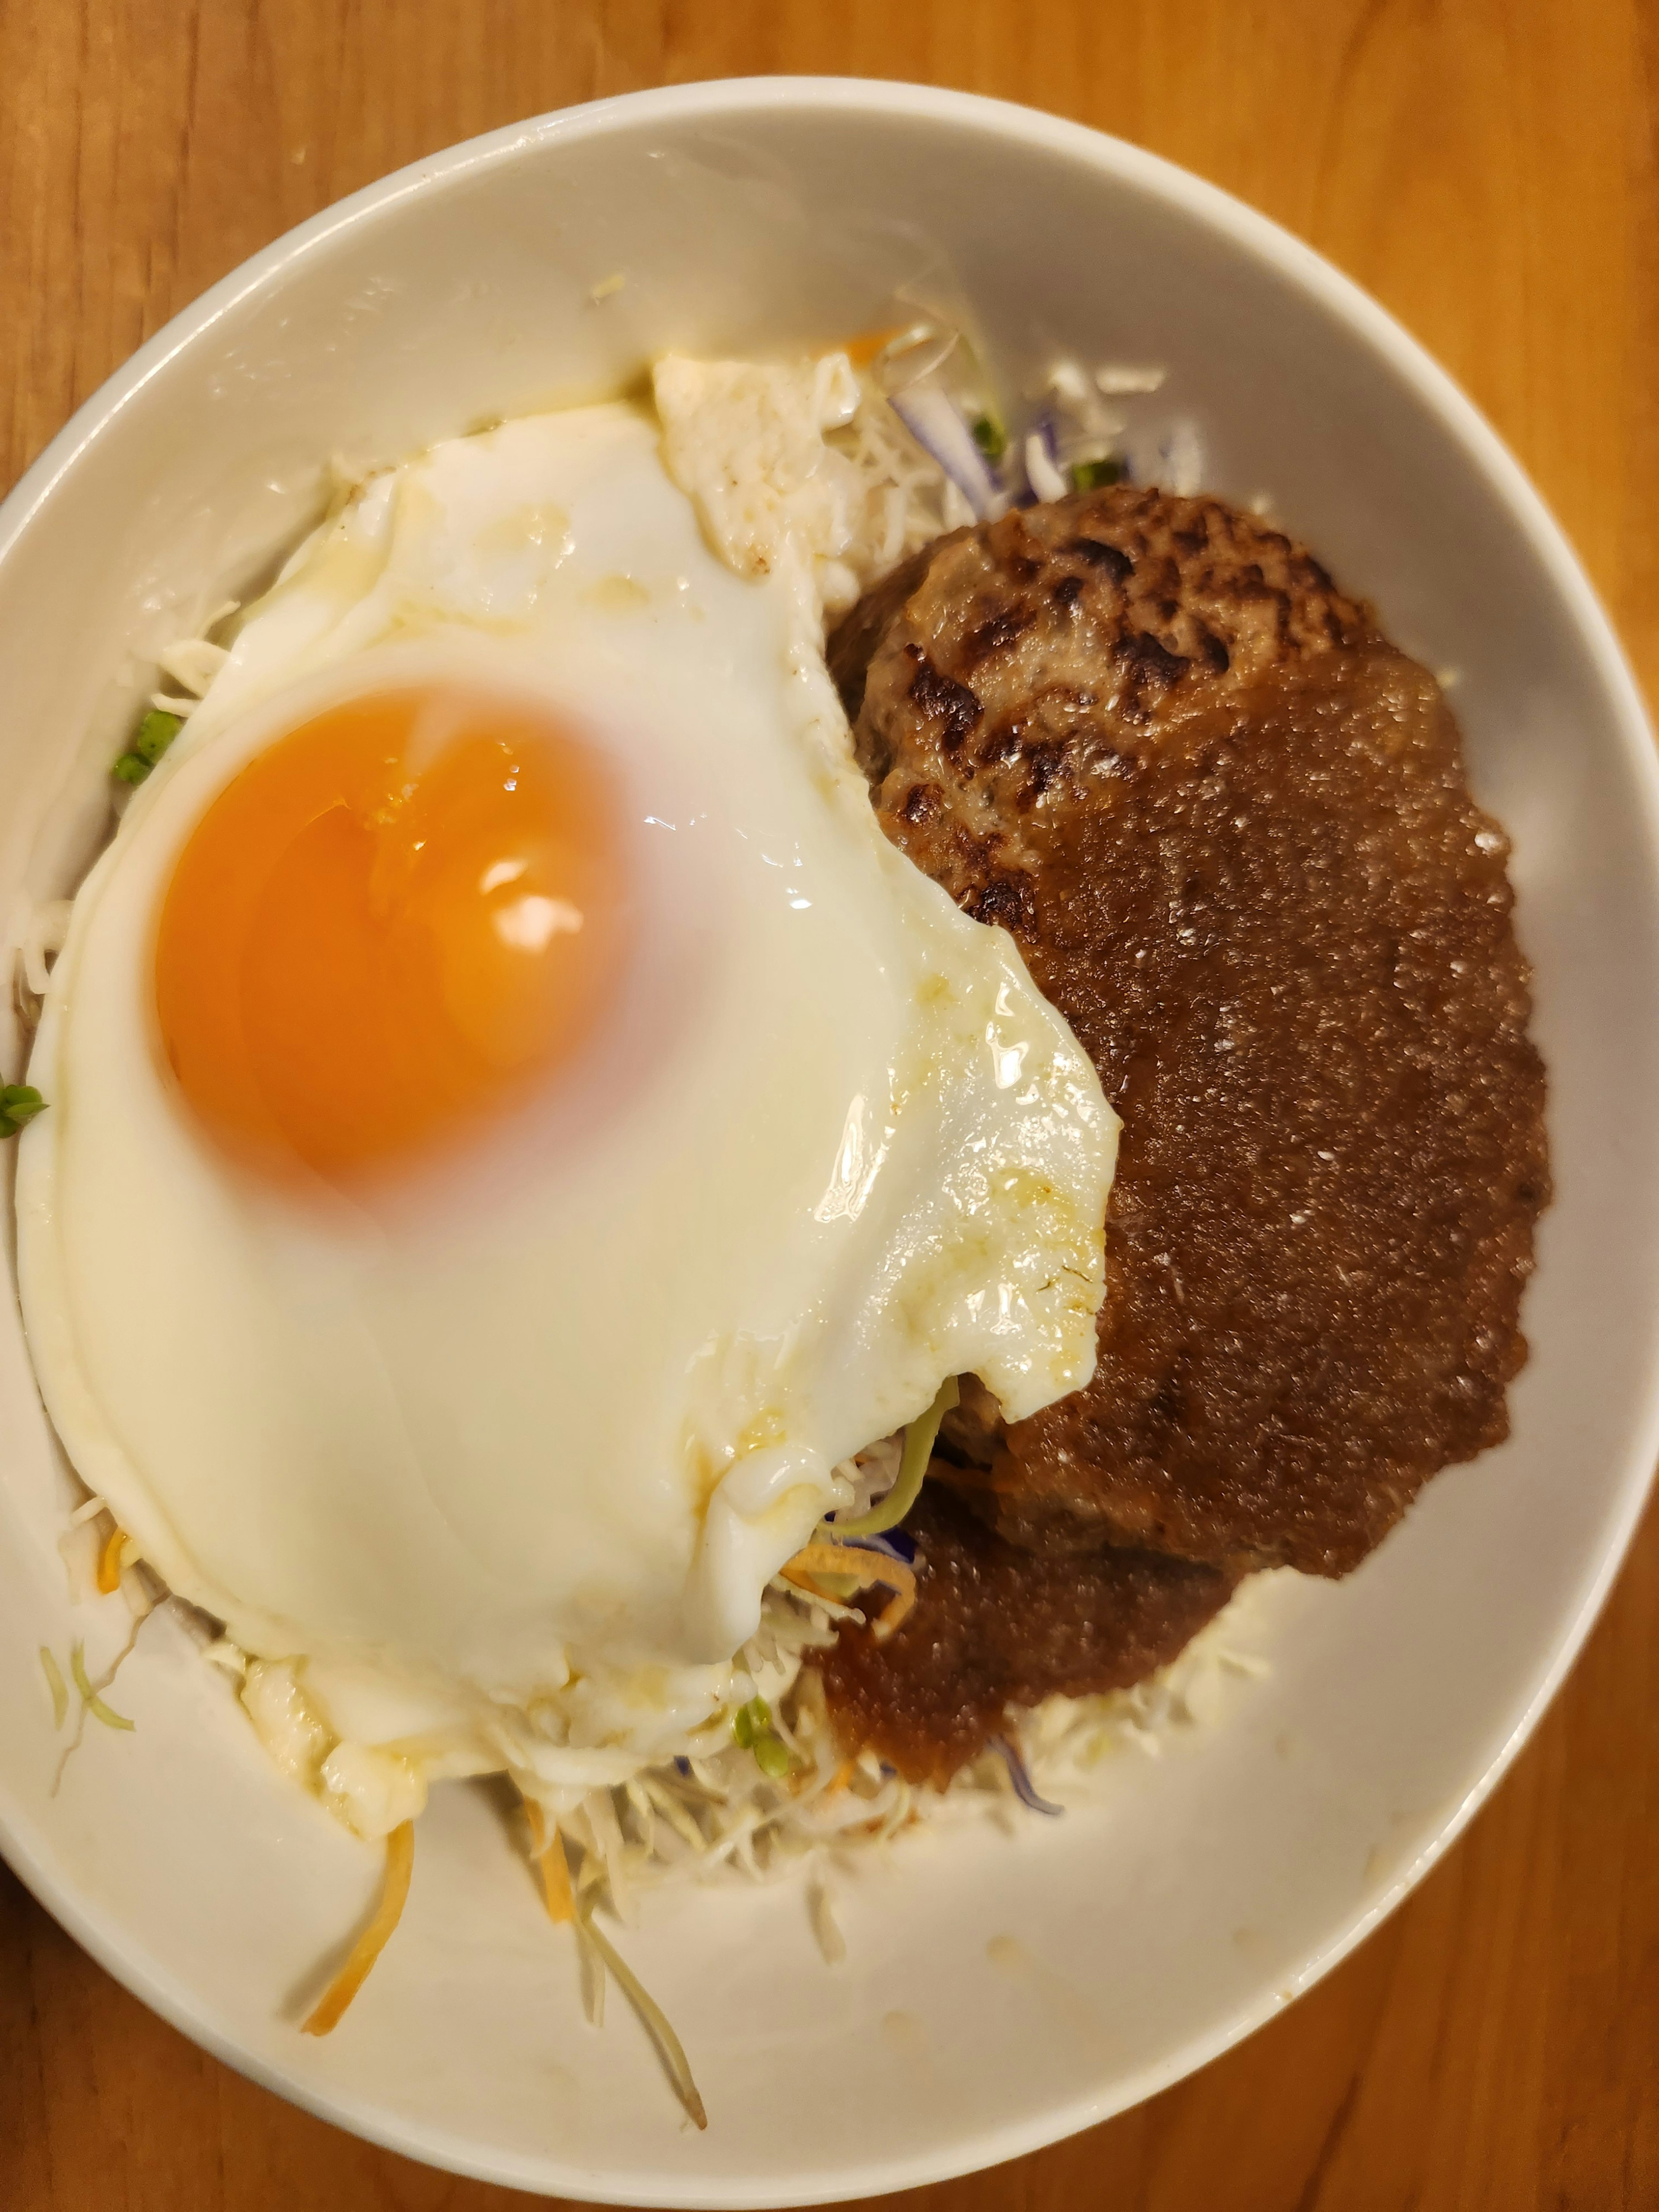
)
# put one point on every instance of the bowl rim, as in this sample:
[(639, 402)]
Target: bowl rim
[(1259, 238)]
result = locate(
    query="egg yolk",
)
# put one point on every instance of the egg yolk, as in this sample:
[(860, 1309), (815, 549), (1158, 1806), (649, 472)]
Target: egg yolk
[(401, 918)]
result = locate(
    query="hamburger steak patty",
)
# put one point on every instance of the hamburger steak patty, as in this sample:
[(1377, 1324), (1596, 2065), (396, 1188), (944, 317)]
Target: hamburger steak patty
[(1227, 823), (994, 1626)]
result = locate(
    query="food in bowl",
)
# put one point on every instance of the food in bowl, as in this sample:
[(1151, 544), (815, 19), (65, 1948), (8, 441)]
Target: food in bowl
[(573, 1166)]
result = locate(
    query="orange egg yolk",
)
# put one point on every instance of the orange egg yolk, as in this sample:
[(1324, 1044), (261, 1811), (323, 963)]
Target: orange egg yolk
[(399, 920)]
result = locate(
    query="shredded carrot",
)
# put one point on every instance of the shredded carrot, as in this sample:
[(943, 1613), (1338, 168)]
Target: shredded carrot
[(857, 1565), (818, 1584), (555, 1883), (109, 1562), (842, 1775), (861, 1567), (862, 349), (554, 1867), (399, 1862)]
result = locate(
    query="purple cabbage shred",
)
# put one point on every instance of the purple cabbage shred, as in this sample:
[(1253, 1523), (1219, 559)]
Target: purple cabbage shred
[(894, 1542), (1024, 1788)]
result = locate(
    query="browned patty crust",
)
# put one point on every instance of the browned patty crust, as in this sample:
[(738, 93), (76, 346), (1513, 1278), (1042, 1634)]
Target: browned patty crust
[(1228, 825), (994, 1627)]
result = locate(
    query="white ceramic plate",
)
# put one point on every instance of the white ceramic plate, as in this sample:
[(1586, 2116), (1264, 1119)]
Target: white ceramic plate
[(1000, 1991)]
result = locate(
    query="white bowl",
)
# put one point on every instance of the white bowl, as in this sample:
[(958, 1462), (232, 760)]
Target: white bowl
[(998, 1991)]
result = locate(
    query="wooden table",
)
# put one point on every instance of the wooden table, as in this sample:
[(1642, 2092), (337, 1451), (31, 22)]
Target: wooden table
[(1487, 167)]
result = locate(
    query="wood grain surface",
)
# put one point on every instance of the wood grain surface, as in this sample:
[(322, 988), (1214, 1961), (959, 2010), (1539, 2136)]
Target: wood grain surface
[(1487, 168)]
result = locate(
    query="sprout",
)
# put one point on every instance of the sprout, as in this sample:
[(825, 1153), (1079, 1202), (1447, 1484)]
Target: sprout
[(651, 2017), (19, 1102), (752, 1729), (94, 1704), (55, 1684), (919, 1441), (774, 1757), (750, 1722)]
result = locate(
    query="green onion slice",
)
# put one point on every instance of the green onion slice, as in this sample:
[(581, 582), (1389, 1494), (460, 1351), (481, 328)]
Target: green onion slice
[(149, 741), (1094, 476), (990, 437), (155, 733)]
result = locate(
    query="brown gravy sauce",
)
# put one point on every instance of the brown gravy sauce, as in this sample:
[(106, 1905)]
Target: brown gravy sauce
[(1281, 928)]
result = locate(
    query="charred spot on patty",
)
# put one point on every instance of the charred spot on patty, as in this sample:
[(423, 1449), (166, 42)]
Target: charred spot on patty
[(1112, 559), (1149, 670), (996, 633), (951, 706)]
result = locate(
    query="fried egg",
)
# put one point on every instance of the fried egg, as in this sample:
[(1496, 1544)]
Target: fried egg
[(516, 1125)]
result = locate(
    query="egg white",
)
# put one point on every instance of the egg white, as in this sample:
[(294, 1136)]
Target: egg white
[(514, 1457)]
